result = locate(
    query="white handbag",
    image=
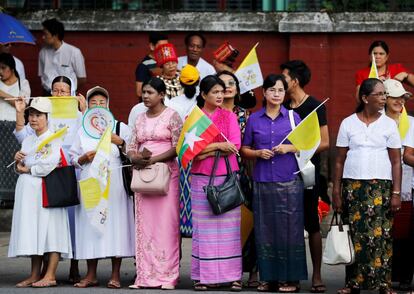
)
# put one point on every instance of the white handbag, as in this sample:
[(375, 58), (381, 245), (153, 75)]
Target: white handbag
[(152, 180), (307, 172), (338, 247)]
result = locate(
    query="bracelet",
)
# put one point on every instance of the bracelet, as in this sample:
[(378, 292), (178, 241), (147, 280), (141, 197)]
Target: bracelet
[(396, 192)]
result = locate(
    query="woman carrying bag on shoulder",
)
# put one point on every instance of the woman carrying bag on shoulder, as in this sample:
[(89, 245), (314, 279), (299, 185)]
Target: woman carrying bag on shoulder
[(367, 187), (38, 231), (216, 246), (277, 192), (157, 213)]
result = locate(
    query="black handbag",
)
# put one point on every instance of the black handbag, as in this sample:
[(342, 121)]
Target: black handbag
[(60, 187), (229, 194), (126, 170)]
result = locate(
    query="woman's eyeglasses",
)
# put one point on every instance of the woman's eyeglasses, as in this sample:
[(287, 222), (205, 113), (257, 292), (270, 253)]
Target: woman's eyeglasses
[(230, 84), (60, 92)]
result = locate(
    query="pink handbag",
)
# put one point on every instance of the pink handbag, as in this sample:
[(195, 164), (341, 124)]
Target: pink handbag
[(152, 180)]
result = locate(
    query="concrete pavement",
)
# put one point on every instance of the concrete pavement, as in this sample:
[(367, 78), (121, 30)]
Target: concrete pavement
[(13, 270)]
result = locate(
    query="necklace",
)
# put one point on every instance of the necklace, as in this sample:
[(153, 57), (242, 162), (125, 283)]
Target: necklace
[(300, 102)]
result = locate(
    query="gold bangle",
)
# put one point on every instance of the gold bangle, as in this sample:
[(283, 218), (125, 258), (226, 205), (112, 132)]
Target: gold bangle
[(396, 192)]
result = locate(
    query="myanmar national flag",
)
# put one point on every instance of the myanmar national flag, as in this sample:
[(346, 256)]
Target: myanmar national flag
[(198, 131), (404, 124), (373, 73)]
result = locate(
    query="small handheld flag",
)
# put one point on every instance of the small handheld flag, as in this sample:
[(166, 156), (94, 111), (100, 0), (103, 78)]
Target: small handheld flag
[(58, 134), (95, 189), (249, 72), (198, 131), (404, 123), (373, 73)]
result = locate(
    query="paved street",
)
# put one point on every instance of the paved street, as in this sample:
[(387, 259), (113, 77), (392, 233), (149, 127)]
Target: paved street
[(15, 270)]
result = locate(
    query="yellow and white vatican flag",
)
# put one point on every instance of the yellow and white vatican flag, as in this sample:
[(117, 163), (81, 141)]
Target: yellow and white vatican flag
[(56, 135), (95, 189), (249, 72), (306, 137), (64, 107), (403, 124), (373, 73)]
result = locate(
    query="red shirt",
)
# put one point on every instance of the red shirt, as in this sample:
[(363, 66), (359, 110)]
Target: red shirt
[(391, 72)]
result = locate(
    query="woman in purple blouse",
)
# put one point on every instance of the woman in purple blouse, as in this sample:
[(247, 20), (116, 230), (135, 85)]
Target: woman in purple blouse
[(277, 192)]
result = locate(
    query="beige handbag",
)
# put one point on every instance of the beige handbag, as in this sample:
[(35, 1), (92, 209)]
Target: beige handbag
[(152, 180)]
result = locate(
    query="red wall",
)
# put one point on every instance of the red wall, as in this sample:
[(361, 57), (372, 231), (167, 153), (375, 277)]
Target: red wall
[(111, 58)]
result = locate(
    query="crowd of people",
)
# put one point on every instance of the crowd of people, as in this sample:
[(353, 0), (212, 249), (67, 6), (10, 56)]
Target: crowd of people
[(372, 181)]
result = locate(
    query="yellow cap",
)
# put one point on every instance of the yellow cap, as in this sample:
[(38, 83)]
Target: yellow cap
[(189, 75)]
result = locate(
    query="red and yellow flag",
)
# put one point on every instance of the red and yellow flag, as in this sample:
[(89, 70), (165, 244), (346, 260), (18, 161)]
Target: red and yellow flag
[(198, 131)]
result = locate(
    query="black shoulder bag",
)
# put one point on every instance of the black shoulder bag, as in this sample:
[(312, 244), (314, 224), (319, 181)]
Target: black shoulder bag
[(126, 170), (229, 194)]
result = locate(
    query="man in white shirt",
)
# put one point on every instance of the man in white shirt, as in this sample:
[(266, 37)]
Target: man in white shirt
[(195, 44), (58, 58)]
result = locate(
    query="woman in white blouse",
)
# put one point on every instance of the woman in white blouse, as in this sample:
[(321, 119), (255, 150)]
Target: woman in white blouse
[(38, 231), (368, 180), (10, 86)]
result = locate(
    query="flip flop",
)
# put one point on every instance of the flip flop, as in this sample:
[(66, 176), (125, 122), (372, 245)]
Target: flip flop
[(25, 284), (200, 287), (236, 286), (113, 284), (288, 288), (85, 283), (44, 284), (251, 284), (320, 288)]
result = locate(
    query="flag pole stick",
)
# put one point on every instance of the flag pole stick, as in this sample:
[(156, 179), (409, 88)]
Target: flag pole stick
[(11, 164), (304, 120), (225, 138), (30, 98)]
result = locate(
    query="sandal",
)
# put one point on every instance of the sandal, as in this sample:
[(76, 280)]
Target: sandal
[(26, 283), (236, 286), (268, 286), (288, 288), (113, 284), (133, 286), (345, 290), (44, 284), (167, 287), (200, 287), (85, 283), (386, 291), (320, 288), (251, 284)]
